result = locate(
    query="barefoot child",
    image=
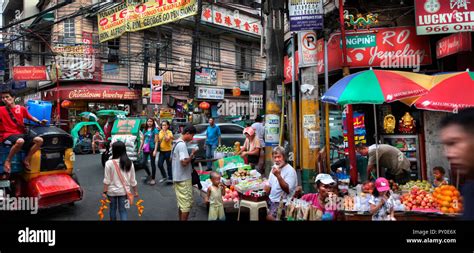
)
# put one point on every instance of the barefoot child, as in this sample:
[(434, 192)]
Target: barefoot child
[(214, 197)]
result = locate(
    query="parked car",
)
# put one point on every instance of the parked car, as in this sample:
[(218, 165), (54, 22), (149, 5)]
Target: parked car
[(230, 133)]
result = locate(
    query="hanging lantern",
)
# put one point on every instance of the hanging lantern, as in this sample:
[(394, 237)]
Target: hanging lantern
[(204, 105), (66, 104), (236, 91)]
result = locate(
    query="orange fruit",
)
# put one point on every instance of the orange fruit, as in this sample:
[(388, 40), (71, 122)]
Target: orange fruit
[(444, 209), (445, 204), (456, 193), (447, 198), (452, 188), (448, 193), (435, 194), (451, 210)]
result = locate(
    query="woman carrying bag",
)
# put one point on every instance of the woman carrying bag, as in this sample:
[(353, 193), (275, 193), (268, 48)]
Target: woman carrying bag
[(119, 179), (147, 146)]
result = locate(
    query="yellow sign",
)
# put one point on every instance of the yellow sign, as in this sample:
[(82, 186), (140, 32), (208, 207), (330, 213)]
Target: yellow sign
[(130, 18)]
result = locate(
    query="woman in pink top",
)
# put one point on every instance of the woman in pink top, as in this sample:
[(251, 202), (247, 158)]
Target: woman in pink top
[(325, 185)]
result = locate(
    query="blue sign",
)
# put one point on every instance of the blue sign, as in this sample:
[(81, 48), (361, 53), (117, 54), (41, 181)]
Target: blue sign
[(306, 15)]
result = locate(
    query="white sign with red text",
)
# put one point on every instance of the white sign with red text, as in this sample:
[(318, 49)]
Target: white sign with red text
[(232, 19), (444, 16), (307, 48)]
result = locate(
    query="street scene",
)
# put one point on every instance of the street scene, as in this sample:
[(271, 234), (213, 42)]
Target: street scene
[(237, 110)]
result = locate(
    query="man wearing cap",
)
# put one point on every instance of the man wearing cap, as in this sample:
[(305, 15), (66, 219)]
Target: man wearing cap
[(251, 148), (324, 185), (391, 158), (281, 185)]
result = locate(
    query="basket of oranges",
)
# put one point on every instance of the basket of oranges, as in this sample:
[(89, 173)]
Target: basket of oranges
[(448, 198)]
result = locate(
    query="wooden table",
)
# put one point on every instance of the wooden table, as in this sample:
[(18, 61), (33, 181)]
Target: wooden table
[(403, 216)]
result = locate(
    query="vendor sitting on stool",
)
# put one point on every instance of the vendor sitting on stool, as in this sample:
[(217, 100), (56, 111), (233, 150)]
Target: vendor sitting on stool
[(251, 148)]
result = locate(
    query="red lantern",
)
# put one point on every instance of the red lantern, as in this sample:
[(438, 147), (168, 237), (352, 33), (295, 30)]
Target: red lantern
[(66, 104), (204, 105), (236, 92)]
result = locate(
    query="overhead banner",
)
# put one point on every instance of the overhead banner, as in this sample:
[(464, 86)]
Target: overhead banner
[(394, 47), (307, 49), (453, 44), (444, 16), (306, 14), (156, 90), (130, 18)]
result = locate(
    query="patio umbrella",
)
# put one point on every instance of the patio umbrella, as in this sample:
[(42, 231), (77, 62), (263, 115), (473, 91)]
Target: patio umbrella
[(450, 93), (89, 115), (376, 87), (111, 113)]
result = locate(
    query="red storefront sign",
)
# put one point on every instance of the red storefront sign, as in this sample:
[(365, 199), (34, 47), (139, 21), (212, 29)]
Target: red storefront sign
[(444, 16), (455, 43), (25, 73), (287, 68), (92, 92), (397, 47)]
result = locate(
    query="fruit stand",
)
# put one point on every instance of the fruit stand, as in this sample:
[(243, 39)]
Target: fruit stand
[(416, 200), (240, 180)]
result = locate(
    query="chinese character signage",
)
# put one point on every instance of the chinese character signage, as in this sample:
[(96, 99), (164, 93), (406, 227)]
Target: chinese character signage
[(306, 14), (128, 17), (235, 20), (210, 93), (156, 90), (206, 76), (444, 16), (454, 43)]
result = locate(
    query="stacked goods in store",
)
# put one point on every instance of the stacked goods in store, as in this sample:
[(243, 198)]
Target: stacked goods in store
[(230, 195), (241, 173), (349, 203), (130, 145), (244, 186), (419, 199), (422, 185), (361, 202), (448, 198)]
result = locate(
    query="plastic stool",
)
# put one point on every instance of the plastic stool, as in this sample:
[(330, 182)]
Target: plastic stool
[(253, 206)]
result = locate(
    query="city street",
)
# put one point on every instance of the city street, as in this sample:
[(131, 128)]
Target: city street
[(159, 200)]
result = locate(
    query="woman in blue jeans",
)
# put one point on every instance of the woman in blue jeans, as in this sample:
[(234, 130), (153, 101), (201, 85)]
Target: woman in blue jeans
[(119, 179), (147, 146), (165, 143)]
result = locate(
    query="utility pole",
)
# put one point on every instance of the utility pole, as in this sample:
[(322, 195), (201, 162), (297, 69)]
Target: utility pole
[(349, 115), (274, 46), (145, 64), (157, 56), (192, 78)]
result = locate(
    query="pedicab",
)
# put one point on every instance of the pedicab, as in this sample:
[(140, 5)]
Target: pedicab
[(50, 176), (126, 130), (83, 146)]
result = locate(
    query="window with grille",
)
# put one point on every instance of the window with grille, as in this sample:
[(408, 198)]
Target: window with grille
[(209, 48), (69, 28), (166, 47), (113, 50), (244, 58)]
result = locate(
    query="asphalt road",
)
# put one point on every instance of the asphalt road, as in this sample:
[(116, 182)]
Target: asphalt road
[(159, 200)]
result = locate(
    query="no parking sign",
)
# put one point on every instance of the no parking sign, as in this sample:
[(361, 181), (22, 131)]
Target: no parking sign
[(307, 47)]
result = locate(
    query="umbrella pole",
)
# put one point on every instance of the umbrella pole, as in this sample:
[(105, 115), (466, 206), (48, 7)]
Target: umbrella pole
[(457, 178), (376, 143)]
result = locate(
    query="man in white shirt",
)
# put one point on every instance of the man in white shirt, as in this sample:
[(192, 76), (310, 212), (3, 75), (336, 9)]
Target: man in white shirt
[(182, 170), (282, 183)]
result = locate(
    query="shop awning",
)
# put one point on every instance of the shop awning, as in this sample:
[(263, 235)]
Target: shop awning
[(180, 97), (91, 92)]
